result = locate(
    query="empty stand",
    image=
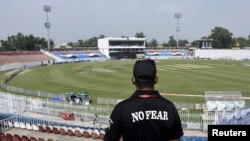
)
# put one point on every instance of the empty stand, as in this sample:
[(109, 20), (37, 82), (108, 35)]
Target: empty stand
[(230, 54)]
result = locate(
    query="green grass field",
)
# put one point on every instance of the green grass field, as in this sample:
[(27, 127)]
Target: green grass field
[(112, 79)]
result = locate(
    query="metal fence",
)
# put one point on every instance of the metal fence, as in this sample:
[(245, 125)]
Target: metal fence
[(108, 101), (34, 93), (4, 126), (10, 103)]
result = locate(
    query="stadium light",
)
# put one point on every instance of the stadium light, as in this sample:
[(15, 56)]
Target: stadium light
[(177, 16), (47, 9)]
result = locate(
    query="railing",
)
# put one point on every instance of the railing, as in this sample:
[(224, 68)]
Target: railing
[(34, 93), (4, 126), (17, 103)]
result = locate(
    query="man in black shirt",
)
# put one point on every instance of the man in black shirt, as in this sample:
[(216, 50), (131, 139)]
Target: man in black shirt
[(145, 116)]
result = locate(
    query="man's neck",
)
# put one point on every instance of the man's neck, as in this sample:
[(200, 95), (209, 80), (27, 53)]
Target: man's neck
[(146, 88)]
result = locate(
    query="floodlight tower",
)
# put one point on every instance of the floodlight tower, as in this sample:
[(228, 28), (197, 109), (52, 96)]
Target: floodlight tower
[(47, 9), (177, 16)]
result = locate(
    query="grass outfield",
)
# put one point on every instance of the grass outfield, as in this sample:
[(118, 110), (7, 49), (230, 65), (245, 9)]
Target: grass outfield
[(112, 79)]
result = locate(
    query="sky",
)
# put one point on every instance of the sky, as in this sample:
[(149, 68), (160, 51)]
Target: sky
[(82, 19)]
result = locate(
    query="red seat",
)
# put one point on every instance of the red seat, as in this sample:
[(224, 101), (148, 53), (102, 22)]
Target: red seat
[(86, 134), (17, 138), (33, 139), (55, 130), (78, 133), (25, 138), (9, 137), (102, 134), (41, 139), (41, 128), (63, 132), (95, 135), (3, 136), (48, 129), (70, 132)]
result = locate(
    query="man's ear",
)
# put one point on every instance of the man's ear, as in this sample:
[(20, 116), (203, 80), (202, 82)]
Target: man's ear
[(156, 79), (133, 80)]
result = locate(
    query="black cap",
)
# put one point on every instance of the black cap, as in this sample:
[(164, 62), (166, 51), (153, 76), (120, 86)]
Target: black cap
[(144, 70)]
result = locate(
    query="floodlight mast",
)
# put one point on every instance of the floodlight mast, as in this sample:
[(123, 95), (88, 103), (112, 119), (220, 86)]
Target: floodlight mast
[(177, 16), (47, 9)]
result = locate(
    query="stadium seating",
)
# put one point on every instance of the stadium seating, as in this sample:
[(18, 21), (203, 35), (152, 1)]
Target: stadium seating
[(44, 126), (17, 137), (193, 138), (33, 139), (9, 137), (230, 54), (238, 117), (23, 56), (49, 127), (79, 55), (166, 54), (78, 132), (13, 60)]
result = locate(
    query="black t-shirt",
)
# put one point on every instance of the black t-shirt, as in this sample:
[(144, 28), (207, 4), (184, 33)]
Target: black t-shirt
[(145, 116)]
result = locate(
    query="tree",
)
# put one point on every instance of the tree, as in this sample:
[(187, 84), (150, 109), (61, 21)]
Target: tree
[(153, 43), (80, 43), (139, 35), (221, 37), (71, 44), (92, 42), (172, 42), (22, 42), (183, 43), (164, 44), (240, 42), (248, 41), (101, 36), (195, 43)]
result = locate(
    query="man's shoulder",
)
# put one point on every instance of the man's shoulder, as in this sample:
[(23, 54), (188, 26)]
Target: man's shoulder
[(130, 101), (167, 102), (123, 103)]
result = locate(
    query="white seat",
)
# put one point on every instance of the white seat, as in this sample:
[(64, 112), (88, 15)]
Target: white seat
[(28, 126), (16, 124), (96, 132), (35, 127), (81, 130), (89, 131), (102, 132), (22, 125), (10, 124)]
